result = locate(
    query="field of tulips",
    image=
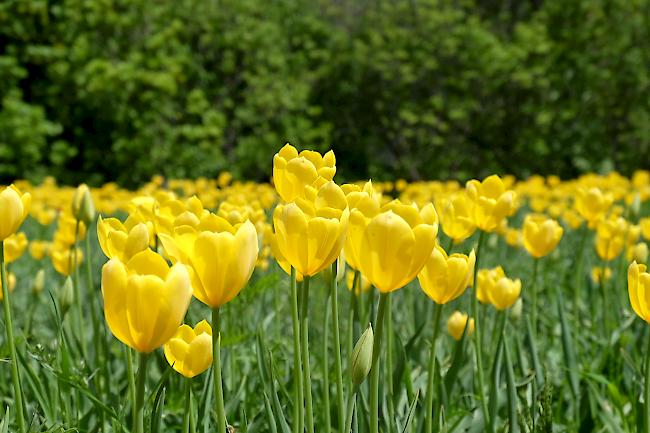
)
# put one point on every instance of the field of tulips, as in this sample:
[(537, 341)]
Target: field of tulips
[(213, 305)]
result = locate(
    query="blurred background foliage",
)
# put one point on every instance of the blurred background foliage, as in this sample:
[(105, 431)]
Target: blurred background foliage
[(120, 90)]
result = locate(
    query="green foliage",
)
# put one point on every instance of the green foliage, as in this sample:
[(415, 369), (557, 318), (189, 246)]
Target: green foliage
[(123, 89)]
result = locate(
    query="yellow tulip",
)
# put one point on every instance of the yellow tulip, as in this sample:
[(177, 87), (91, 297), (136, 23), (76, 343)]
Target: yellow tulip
[(39, 249), (513, 237), (592, 204), (368, 202), (66, 227), (145, 300), (541, 235), (11, 280), (15, 246), (491, 202), (456, 217), (504, 293), (444, 278), (572, 218), (645, 228), (293, 171), (118, 241), (63, 256), (456, 325), (597, 273), (638, 253), (392, 244), (176, 213), (189, 351), (487, 279), (310, 231), (220, 257), (282, 261), (611, 238), (14, 208), (638, 287)]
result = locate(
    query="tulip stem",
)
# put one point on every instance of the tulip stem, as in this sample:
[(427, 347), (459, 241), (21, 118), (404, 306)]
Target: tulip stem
[(139, 393), (216, 366), (374, 372), (306, 369), (646, 389), (298, 399), (533, 289), (432, 361), (477, 337), (131, 379), (15, 375), (337, 345), (326, 382), (188, 406), (352, 399), (77, 292)]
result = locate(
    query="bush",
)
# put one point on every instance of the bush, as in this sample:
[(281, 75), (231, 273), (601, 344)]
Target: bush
[(123, 89)]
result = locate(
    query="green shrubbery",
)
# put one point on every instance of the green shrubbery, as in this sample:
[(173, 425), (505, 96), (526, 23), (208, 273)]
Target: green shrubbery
[(123, 89)]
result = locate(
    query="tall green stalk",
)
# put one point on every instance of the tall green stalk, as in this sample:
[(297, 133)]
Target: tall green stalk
[(374, 372), (306, 369), (646, 390), (15, 375), (477, 336), (139, 394), (81, 329), (131, 380), (533, 289), (216, 366), (340, 405), (298, 398), (432, 362), (188, 406), (326, 381)]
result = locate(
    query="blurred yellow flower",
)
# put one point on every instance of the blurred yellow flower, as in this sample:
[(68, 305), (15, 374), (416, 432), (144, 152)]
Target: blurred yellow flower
[(541, 234), (189, 351), (456, 325), (492, 203)]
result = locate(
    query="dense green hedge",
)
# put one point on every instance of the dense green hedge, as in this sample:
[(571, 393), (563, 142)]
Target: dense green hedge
[(122, 89)]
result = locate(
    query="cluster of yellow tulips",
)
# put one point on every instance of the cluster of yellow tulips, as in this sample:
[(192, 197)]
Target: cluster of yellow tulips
[(172, 241)]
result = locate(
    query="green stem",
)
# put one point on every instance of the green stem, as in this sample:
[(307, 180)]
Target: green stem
[(432, 362), (81, 329), (298, 398), (131, 379), (646, 389), (389, 365), (374, 372), (188, 405), (577, 292), (326, 375), (606, 306), (533, 289), (216, 366), (306, 370), (337, 346), (139, 394), (352, 398), (513, 425), (15, 375), (477, 337)]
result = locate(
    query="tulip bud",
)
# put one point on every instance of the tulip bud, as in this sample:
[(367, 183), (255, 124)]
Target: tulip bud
[(362, 356), (515, 310), (83, 207), (635, 206), (39, 282), (639, 252), (66, 296)]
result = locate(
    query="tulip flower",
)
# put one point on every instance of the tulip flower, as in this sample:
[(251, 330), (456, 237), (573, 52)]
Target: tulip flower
[(39, 249), (504, 293), (14, 208), (443, 278), (189, 351), (310, 232), (486, 280), (220, 257), (541, 235), (644, 223), (638, 253), (457, 323), (611, 238), (65, 259), (491, 203), (122, 241), (368, 201), (456, 217), (638, 286), (293, 171), (69, 230), (83, 207), (15, 246), (11, 280), (592, 204)]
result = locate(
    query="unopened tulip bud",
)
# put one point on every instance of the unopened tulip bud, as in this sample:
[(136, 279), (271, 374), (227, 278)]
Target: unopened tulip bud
[(635, 206), (515, 310), (83, 207), (362, 356), (39, 282), (66, 296)]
